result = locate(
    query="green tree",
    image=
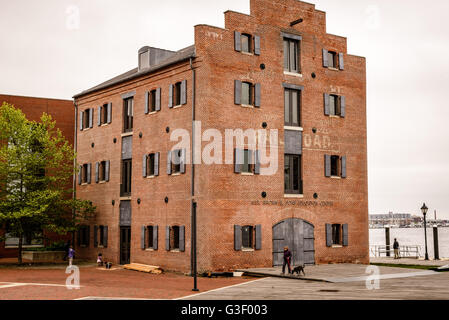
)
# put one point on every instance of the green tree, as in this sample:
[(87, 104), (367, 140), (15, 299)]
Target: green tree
[(36, 167)]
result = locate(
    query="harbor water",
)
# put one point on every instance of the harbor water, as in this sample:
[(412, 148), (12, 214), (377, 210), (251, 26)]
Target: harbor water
[(413, 236)]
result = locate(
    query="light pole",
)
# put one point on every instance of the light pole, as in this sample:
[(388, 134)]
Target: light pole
[(424, 212)]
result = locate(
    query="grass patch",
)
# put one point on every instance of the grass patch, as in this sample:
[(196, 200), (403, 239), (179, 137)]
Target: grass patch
[(406, 266)]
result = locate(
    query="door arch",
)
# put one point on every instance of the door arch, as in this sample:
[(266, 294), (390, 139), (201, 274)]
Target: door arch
[(298, 235)]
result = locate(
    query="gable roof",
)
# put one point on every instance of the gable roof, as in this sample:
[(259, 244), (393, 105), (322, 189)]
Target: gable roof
[(181, 55)]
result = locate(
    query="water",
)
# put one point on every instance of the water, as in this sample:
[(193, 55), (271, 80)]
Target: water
[(413, 236)]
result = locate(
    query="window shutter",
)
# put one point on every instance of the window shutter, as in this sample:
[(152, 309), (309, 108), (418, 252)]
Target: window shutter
[(328, 235), (144, 165), (91, 118), (105, 236), (237, 238), (170, 96), (183, 161), (147, 101), (251, 158), (257, 45), (109, 119), (257, 162), (257, 95), (88, 236), (237, 41), (155, 237), (237, 92), (95, 236), (158, 99), (345, 235), (238, 160), (342, 106), (325, 58), (182, 246), (343, 167), (341, 62), (258, 237), (81, 120), (107, 170), (142, 237), (169, 163), (167, 238), (327, 109), (156, 164), (89, 169), (97, 169), (99, 116), (184, 92), (80, 174), (327, 165)]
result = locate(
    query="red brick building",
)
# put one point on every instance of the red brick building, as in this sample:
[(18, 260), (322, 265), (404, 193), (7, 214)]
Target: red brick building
[(275, 69), (62, 111)]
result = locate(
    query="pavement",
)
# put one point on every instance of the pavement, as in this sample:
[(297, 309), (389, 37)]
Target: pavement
[(410, 261)]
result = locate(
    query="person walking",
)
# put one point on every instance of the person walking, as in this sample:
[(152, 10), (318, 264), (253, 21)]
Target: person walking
[(287, 258), (396, 248), (71, 255)]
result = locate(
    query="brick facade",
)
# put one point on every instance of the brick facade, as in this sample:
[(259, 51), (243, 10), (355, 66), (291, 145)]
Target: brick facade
[(61, 111), (225, 199)]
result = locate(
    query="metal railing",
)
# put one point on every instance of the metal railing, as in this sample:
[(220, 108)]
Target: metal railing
[(408, 251)]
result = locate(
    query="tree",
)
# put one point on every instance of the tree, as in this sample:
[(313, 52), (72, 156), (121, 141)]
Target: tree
[(36, 167)]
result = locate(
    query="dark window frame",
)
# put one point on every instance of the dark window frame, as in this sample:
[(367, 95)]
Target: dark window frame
[(86, 117), (150, 233), (126, 178), (292, 47), (289, 108), (176, 167), (249, 39), (151, 164), (177, 88), (246, 166), (335, 107), (104, 114), (101, 239), (248, 237), (84, 173), (337, 234), (102, 171), (332, 58), (175, 237), (250, 95), (335, 166), (84, 236), (128, 114), (152, 101), (289, 185)]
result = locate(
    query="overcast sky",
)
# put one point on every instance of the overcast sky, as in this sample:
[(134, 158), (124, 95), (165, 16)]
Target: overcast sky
[(57, 48)]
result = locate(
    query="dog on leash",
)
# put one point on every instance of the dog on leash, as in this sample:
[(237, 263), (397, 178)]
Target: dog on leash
[(298, 270)]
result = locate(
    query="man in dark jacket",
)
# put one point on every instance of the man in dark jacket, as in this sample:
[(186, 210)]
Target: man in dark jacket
[(396, 248), (287, 258)]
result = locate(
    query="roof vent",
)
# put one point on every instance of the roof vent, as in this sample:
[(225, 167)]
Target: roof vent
[(149, 57)]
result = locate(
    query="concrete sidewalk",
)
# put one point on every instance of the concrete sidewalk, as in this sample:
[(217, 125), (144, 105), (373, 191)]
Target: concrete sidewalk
[(336, 273), (410, 261)]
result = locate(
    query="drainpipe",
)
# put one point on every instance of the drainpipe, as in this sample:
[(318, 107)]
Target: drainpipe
[(74, 165), (193, 257)]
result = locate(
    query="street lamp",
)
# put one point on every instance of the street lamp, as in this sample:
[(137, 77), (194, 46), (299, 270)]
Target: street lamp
[(424, 212)]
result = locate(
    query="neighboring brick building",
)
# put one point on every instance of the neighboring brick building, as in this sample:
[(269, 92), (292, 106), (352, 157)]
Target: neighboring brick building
[(61, 111), (276, 68)]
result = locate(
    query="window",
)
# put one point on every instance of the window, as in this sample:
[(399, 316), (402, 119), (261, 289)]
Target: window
[(246, 42), (176, 163), (336, 234), (334, 105), (29, 239), (174, 238), (102, 171), (128, 113), (247, 237), (248, 162), (101, 230), (85, 173), (177, 94), (292, 174), (87, 118), (247, 93), (292, 108), (335, 166), (126, 178), (291, 55), (83, 234), (332, 59), (104, 114), (150, 232), (152, 102)]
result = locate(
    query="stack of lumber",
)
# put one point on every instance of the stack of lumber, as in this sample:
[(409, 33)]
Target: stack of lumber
[(143, 268)]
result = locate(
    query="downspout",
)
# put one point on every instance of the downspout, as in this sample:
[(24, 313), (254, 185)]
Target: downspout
[(74, 166), (193, 252)]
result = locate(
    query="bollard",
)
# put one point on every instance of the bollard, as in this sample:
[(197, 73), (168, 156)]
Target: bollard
[(387, 240), (435, 243)]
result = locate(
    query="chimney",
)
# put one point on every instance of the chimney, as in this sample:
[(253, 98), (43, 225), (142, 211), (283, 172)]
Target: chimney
[(149, 57)]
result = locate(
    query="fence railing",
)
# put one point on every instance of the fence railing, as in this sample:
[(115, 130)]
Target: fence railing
[(408, 251)]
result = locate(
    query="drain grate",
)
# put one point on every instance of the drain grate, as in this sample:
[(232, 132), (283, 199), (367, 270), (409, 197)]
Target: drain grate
[(329, 290)]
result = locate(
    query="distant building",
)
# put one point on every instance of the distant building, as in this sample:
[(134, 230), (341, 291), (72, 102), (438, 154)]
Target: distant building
[(399, 219), (61, 111)]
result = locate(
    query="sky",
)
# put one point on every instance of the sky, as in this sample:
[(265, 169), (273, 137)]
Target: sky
[(58, 48)]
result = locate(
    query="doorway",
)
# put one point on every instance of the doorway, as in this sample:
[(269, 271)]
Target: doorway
[(125, 245)]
